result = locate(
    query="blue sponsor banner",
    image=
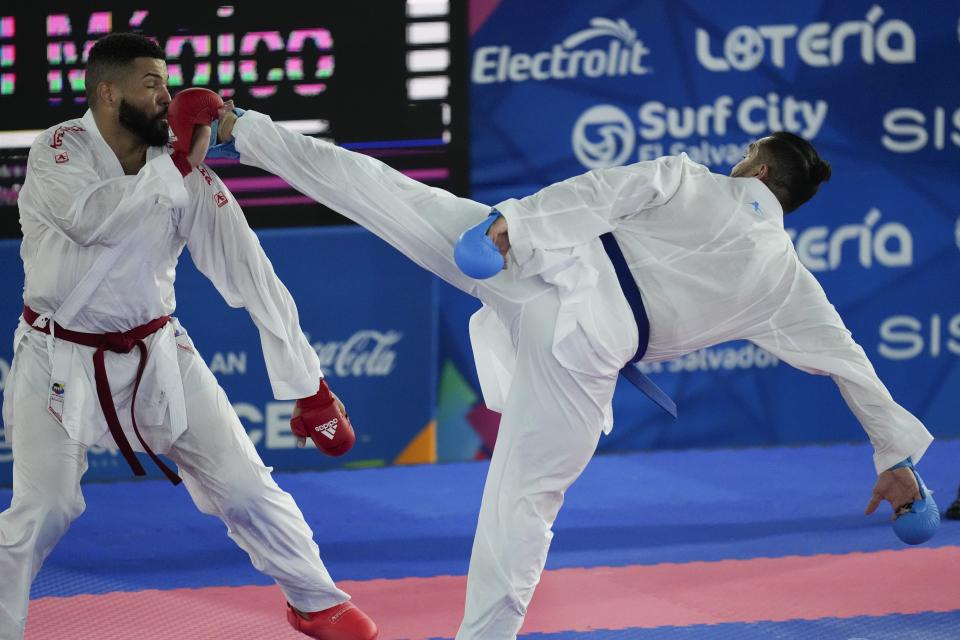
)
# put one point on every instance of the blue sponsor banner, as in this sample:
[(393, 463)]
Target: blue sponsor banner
[(369, 312), (559, 90)]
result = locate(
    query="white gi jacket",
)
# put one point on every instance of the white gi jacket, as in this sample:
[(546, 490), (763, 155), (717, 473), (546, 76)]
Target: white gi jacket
[(75, 204), (713, 264)]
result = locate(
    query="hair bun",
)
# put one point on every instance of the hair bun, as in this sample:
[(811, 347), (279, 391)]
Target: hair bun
[(821, 171)]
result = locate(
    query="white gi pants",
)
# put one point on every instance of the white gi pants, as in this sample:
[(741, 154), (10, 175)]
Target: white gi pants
[(553, 415), (217, 461)]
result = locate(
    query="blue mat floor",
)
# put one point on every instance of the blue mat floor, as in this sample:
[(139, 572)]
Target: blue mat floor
[(642, 508)]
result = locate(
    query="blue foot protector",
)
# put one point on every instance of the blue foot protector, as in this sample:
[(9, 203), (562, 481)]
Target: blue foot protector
[(918, 525), (476, 254), (224, 149)]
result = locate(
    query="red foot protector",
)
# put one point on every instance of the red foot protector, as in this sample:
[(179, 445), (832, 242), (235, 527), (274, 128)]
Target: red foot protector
[(342, 622)]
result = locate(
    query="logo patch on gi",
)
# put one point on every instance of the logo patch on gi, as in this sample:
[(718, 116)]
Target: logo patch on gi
[(55, 402), (57, 141), (206, 176), (62, 158), (220, 199)]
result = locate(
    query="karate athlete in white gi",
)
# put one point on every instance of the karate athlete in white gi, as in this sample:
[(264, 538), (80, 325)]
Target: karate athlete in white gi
[(711, 258), (105, 211)]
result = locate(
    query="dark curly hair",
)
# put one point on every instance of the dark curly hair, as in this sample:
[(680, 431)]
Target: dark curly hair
[(112, 55)]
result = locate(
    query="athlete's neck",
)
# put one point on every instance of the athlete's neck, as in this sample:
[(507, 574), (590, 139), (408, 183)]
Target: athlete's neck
[(130, 150)]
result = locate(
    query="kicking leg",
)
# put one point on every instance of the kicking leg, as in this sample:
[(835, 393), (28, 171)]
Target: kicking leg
[(422, 222)]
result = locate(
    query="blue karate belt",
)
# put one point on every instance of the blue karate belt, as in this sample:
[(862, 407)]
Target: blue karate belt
[(632, 293)]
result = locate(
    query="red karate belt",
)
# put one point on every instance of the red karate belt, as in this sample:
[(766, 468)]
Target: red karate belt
[(115, 342)]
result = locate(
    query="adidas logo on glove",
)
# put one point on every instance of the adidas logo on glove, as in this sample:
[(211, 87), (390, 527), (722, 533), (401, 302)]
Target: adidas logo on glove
[(328, 429)]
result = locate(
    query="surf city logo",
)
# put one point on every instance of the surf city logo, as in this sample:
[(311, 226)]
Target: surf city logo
[(604, 136)]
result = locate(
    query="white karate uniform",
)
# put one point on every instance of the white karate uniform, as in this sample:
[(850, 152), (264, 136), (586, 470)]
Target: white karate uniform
[(712, 261), (76, 204)]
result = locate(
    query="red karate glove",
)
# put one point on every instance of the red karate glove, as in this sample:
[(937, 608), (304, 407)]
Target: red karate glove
[(191, 107), (323, 418)]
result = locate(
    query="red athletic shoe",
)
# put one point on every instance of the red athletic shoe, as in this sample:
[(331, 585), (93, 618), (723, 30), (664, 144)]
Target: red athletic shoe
[(343, 622)]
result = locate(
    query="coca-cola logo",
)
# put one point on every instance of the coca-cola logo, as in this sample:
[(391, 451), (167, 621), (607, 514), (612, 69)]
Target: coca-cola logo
[(365, 353)]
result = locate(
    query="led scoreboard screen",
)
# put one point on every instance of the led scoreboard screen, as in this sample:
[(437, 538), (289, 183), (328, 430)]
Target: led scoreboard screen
[(373, 76)]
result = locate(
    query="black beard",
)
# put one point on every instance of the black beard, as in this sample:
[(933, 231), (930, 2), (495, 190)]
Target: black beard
[(152, 131)]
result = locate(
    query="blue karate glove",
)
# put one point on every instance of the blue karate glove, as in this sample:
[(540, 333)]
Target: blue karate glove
[(476, 254), (224, 149), (918, 521)]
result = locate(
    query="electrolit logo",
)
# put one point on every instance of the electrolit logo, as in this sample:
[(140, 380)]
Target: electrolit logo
[(614, 51)]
